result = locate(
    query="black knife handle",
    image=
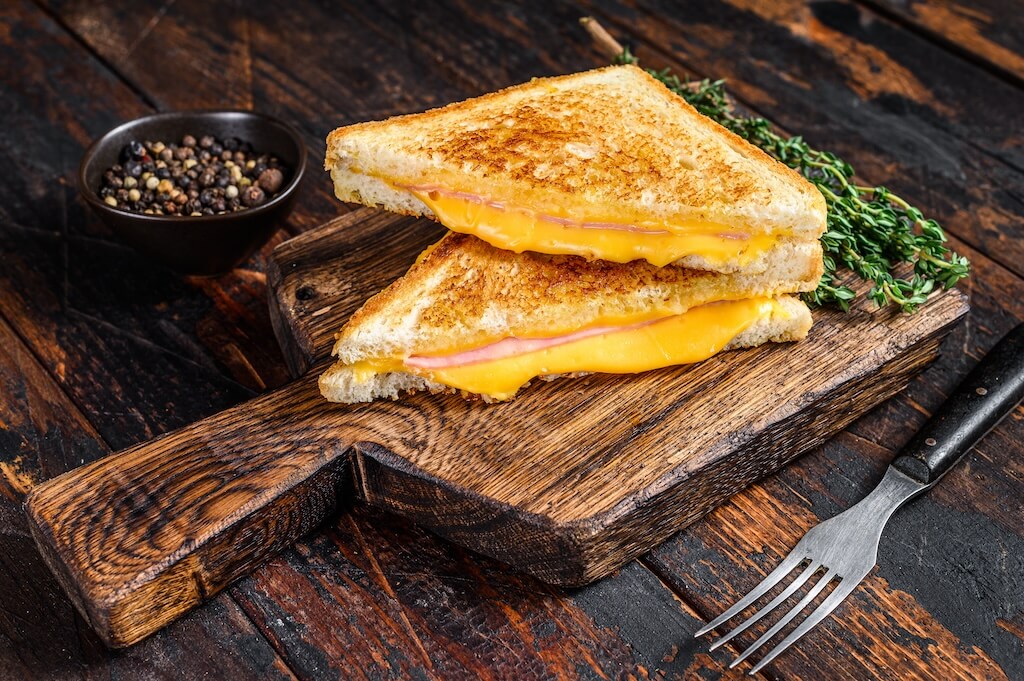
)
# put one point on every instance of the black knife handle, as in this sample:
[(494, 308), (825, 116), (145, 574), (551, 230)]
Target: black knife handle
[(990, 392)]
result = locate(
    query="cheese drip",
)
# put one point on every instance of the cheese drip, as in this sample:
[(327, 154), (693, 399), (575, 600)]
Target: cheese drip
[(690, 337), (520, 229)]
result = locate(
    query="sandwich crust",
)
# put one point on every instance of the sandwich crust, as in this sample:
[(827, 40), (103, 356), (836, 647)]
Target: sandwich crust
[(612, 142)]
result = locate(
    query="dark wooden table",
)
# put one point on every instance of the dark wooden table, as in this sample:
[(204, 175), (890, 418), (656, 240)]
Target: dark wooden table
[(99, 349)]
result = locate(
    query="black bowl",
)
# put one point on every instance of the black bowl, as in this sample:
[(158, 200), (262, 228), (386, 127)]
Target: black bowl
[(206, 244)]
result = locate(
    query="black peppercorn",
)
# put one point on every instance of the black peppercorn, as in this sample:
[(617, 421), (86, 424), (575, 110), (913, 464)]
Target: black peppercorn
[(112, 180), (203, 177), (271, 180), (253, 196)]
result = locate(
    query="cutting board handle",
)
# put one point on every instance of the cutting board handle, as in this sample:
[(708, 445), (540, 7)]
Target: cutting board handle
[(142, 536)]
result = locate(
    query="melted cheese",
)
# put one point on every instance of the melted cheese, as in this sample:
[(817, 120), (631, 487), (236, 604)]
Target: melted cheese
[(520, 229), (690, 337)]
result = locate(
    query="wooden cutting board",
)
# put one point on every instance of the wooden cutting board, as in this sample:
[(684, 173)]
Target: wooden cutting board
[(567, 482)]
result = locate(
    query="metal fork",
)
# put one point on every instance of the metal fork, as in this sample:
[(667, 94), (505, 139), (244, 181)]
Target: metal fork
[(846, 546)]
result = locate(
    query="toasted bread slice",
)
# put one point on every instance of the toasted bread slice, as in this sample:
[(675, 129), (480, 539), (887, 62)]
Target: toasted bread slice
[(611, 146), (464, 294)]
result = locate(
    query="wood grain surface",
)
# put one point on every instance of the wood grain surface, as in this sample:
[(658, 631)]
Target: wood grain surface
[(42, 434), (988, 32), (132, 351)]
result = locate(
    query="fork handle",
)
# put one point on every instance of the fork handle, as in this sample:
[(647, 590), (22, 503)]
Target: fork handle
[(990, 392)]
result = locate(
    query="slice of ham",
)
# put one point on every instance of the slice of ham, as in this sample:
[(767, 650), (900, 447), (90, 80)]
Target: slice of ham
[(511, 347), (621, 227)]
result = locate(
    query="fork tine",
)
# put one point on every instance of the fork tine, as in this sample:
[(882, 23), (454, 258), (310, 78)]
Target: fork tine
[(811, 568), (811, 595), (820, 613), (773, 578)]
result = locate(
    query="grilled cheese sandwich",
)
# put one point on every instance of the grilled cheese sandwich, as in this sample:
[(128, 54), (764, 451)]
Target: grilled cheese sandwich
[(606, 164), (599, 224), (475, 319)]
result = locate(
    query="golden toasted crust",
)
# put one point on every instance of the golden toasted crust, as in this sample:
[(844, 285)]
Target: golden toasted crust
[(465, 293), (608, 142)]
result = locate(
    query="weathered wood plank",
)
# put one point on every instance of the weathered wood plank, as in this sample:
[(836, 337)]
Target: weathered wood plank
[(384, 599), (180, 54), (989, 32), (42, 434), (903, 111)]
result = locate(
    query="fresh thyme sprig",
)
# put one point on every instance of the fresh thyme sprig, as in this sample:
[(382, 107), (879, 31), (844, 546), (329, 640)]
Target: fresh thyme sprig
[(870, 230)]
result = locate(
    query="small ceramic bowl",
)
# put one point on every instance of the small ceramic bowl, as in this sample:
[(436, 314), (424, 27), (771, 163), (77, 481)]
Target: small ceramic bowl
[(205, 244)]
